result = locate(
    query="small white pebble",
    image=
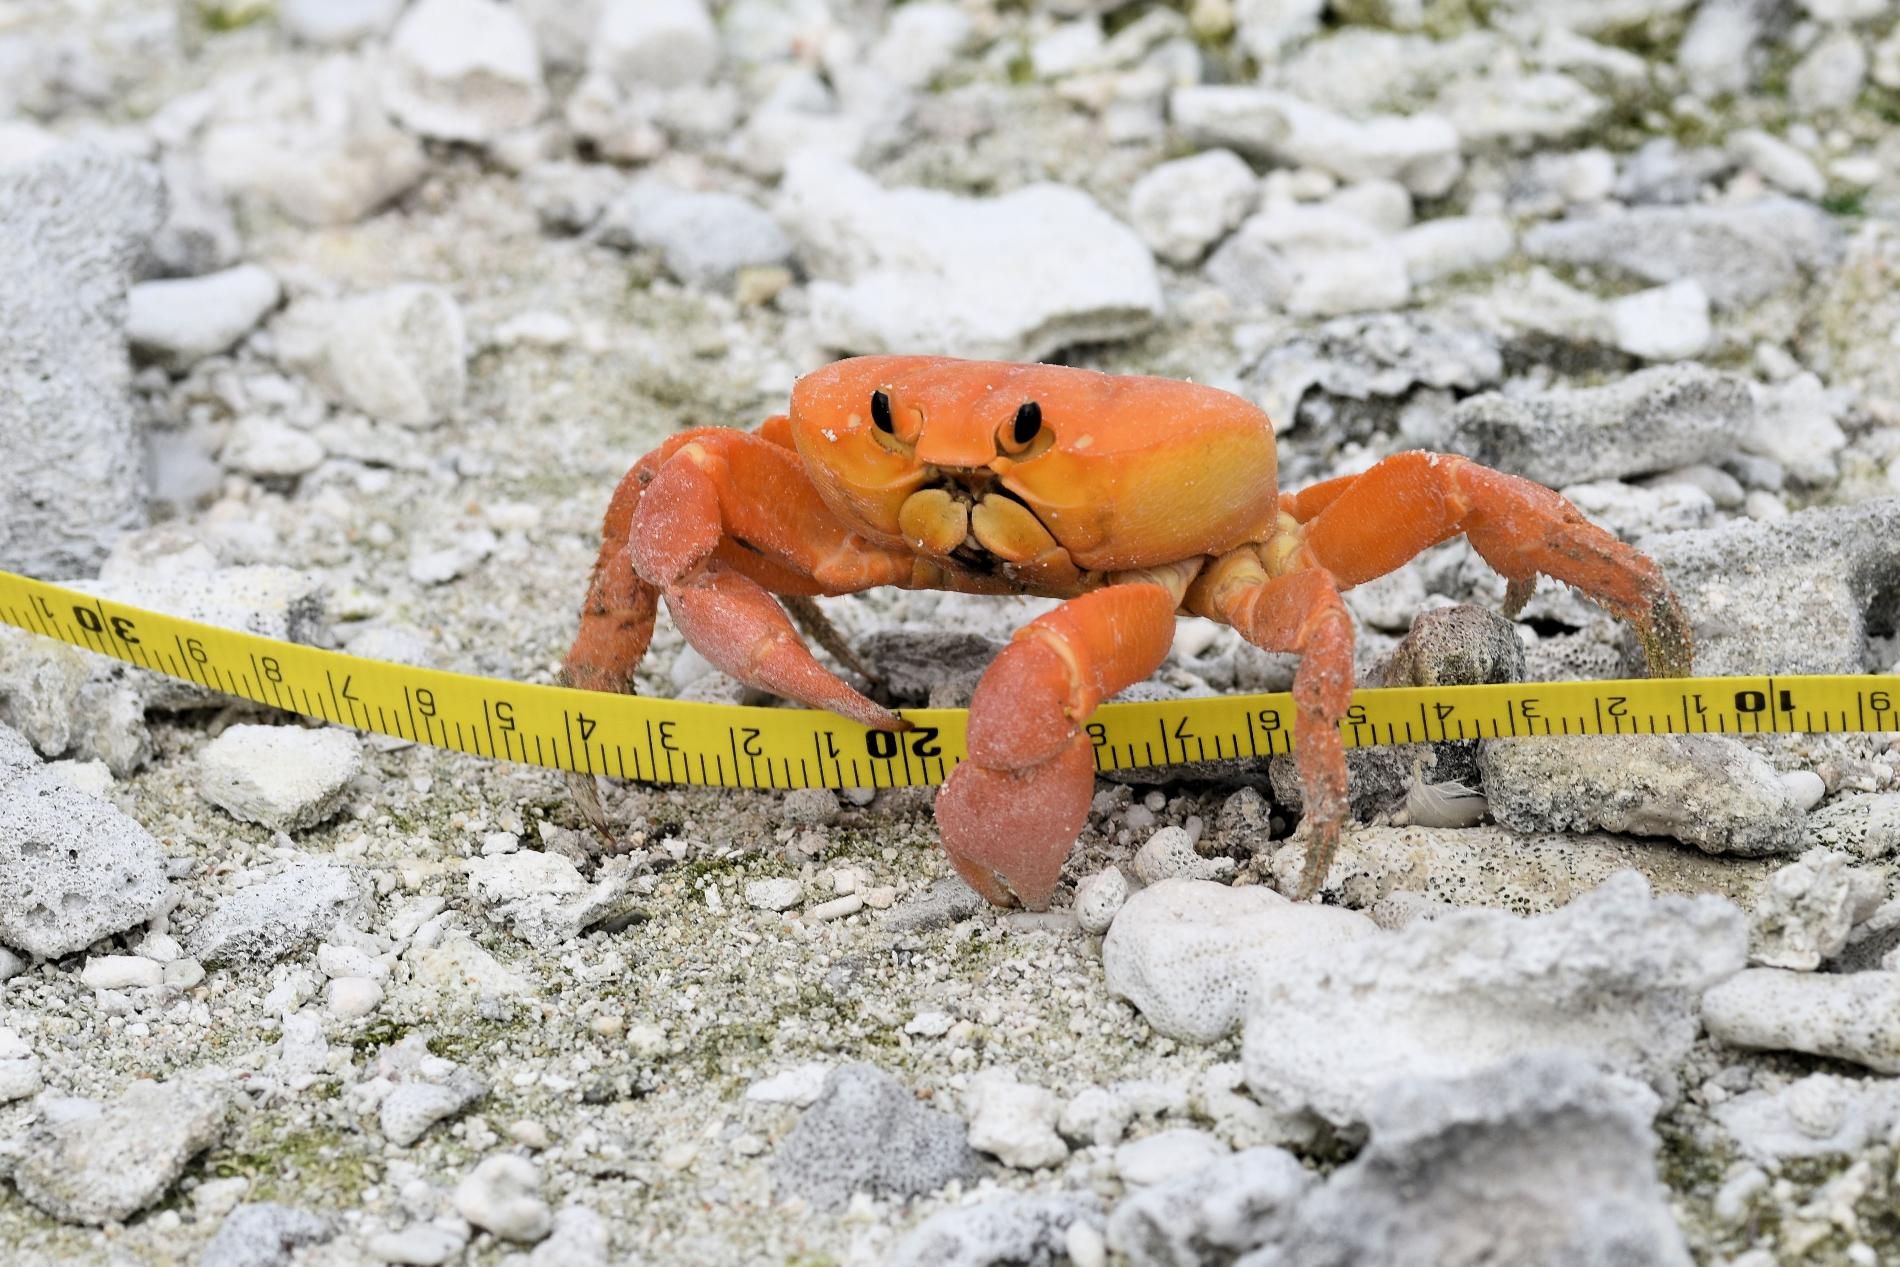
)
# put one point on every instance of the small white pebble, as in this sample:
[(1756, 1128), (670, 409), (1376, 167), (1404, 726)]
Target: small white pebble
[(122, 972), (1167, 1155), (348, 961), (1805, 786), (503, 1195), (1170, 853), (499, 842), (419, 1243), (1098, 898), (183, 974), (350, 997), (797, 1086), (881, 898), (530, 1134), (1763, 505), (160, 946), (1085, 1245), (680, 1156), (1155, 802), (859, 796), (930, 1024), (836, 908), (776, 894)]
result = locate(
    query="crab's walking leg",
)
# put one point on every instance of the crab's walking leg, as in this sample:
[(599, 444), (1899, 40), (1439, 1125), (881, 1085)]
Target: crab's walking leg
[(1016, 805), (704, 498), (1367, 525), (616, 626), (1300, 612), (709, 521)]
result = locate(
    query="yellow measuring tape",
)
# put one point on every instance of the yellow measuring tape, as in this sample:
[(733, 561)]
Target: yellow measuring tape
[(720, 745)]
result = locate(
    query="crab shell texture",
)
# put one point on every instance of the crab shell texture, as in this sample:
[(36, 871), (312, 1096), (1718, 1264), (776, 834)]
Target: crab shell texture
[(1134, 499), (1124, 472)]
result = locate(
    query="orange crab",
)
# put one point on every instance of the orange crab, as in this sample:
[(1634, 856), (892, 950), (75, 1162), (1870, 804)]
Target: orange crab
[(1134, 499)]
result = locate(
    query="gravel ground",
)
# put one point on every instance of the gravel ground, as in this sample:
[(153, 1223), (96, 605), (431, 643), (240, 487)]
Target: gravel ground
[(337, 320)]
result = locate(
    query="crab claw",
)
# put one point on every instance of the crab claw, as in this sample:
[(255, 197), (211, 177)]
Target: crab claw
[(1017, 824), (1011, 811)]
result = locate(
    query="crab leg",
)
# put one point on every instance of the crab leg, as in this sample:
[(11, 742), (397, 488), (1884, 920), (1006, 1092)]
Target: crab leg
[(669, 531), (1300, 612), (678, 530), (1012, 810), (1410, 501)]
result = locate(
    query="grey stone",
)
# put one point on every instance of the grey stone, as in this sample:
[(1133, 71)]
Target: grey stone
[(867, 1133), (1815, 1116), (67, 701), (199, 234), (947, 901), (919, 666), (543, 897), (326, 153), (1865, 824), (73, 228), (180, 321), (464, 70), (284, 777), (1182, 207), (1615, 975), (1848, 340), (264, 1234), (1709, 791), (258, 925), (1796, 595), (1378, 357), (400, 355), (1420, 151), (579, 1239), (1741, 253), (1849, 1016), (1213, 1216), (704, 239), (1001, 1232), (337, 21), (1525, 874), (1663, 171), (408, 1111), (106, 1166), (994, 269), (502, 1194), (1807, 909), (1541, 1160), (1652, 420), (1191, 954), (73, 868)]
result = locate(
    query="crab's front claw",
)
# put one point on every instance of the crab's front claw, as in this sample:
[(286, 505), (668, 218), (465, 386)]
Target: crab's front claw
[(1017, 824), (1011, 811)]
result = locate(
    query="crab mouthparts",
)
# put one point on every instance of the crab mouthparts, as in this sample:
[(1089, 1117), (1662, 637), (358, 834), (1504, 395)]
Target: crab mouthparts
[(973, 526)]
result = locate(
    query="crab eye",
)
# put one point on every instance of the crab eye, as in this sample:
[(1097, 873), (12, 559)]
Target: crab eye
[(1028, 422), (881, 413)]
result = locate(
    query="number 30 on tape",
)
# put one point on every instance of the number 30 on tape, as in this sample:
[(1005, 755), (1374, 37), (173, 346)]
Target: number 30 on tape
[(668, 741)]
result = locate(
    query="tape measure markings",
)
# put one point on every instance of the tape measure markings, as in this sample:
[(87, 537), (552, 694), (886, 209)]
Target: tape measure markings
[(673, 741)]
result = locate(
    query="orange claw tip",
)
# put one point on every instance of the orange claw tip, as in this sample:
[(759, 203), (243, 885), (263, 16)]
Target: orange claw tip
[(1019, 825)]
